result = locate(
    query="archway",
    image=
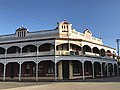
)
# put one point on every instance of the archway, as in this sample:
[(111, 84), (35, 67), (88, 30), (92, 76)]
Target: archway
[(12, 70), (69, 69), (86, 48), (110, 68), (13, 49), (77, 68), (104, 69), (1, 70), (97, 69), (29, 69), (88, 68), (102, 52), (29, 48), (63, 46), (46, 69), (108, 53), (96, 50), (46, 47), (115, 69), (2, 50), (75, 49)]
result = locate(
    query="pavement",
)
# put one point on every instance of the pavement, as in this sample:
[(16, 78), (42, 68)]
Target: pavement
[(92, 84)]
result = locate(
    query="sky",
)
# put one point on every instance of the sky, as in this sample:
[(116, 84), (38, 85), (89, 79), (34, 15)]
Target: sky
[(102, 17)]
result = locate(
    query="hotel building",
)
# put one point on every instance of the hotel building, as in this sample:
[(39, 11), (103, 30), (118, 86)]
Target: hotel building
[(58, 54)]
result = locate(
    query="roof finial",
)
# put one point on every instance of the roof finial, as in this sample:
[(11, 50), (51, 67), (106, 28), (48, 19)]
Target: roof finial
[(64, 19), (21, 26)]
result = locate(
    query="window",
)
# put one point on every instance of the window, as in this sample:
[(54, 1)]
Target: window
[(50, 69), (76, 69), (27, 69), (40, 69), (62, 26), (67, 26), (87, 66)]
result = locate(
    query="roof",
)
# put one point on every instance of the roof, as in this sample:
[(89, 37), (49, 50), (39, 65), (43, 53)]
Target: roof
[(21, 28), (65, 22)]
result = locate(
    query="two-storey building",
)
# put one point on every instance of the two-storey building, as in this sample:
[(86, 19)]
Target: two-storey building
[(61, 53)]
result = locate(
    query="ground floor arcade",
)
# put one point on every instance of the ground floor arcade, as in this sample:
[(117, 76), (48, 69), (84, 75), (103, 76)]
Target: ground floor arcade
[(59, 69)]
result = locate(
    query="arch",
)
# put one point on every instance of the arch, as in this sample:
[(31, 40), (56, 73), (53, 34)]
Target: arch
[(97, 69), (29, 48), (88, 67), (102, 52), (77, 68), (104, 69), (46, 68), (12, 69), (108, 53), (114, 55), (13, 49), (46, 47), (2, 50), (115, 69), (63, 46), (96, 50), (110, 68), (29, 69), (75, 47), (86, 48)]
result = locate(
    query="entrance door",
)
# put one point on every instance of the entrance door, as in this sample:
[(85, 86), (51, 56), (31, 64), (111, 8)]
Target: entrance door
[(12, 71), (65, 69)]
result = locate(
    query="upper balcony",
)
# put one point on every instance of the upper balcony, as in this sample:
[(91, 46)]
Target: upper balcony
[(47, 49)]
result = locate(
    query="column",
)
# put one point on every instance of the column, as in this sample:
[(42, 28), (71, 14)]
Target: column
[(55, 71), (113, 74), (4, 72), (6, 52), (36, 71), (60, 70), (93, 69), (83, 70), (21, 51), (117, 70), (101, 70), (70, 70), (37, 50), (81, 52), (107, 70), (20, 71)]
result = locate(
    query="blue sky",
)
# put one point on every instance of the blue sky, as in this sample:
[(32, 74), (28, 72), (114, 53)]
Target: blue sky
[(102, 17)]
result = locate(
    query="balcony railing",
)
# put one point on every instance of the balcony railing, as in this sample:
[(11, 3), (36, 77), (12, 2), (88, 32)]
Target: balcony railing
[(61, 52), (13, 55), (29, 54), (91, 54), (46, 53), (58, 52), (2, 55)]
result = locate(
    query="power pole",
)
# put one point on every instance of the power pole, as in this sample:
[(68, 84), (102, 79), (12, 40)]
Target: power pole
[(118, 69), (118, 47)]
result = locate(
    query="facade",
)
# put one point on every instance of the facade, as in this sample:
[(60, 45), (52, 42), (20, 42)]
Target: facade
[(58, 54)]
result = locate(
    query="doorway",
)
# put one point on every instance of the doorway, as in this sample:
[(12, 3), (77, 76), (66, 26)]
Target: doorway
[(65, 69)]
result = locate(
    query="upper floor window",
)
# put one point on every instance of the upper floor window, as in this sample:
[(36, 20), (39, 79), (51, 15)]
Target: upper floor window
[(50, 69)]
